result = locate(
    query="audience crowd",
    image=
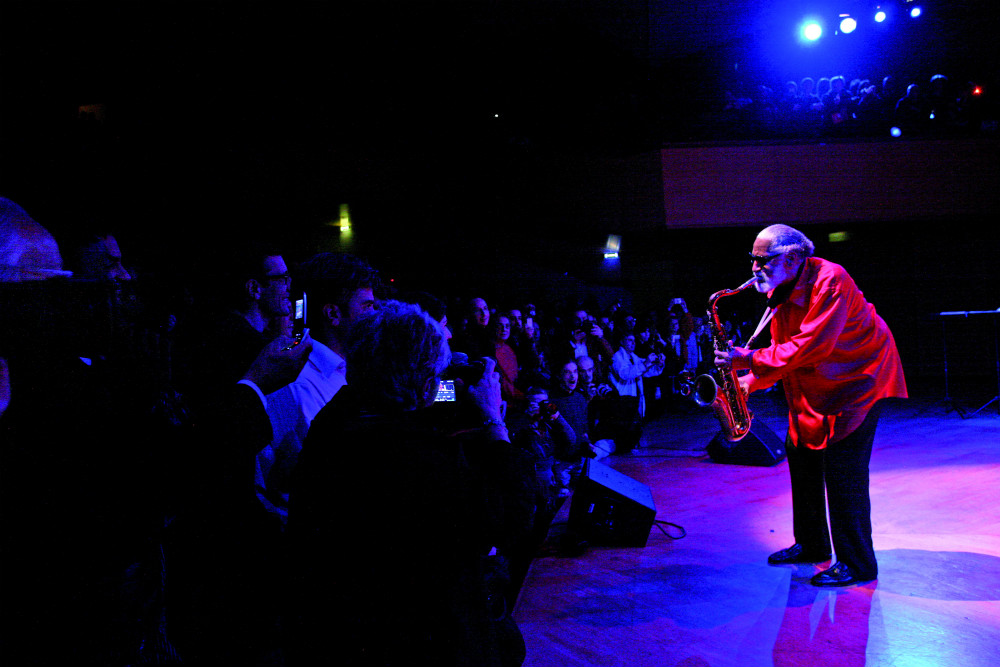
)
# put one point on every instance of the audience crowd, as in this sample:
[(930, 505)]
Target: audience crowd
[(193, 479), (836, 106)]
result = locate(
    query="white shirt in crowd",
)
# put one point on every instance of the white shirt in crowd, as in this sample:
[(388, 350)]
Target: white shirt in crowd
[(292, 409)]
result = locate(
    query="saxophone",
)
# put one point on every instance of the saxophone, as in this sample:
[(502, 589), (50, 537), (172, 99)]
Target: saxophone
[(725, 396)]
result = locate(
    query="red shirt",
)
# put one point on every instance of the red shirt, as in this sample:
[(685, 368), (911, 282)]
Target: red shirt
[(836, 356), (507, 367)]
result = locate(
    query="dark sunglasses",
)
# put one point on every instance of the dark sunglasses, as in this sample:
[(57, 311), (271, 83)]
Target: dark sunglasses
[(764, 261)]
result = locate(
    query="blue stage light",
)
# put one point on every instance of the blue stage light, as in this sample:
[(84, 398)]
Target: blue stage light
[(916, 11), (811, 31), (879, 16), (847, 25)]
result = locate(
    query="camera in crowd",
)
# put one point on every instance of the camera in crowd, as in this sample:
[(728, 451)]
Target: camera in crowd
[(546, 410), (460, 374), (450, 410), (595, 390)]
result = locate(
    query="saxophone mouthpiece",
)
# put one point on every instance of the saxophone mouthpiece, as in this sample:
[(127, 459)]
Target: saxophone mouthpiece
[(750, 282)]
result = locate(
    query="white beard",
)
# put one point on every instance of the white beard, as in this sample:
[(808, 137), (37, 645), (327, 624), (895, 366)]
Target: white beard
[(770, 278)]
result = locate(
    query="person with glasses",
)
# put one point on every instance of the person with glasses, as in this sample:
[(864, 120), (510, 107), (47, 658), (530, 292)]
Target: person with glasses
[(340, 289), (234, 314), (226, 612), (837, 360), (271, 302)]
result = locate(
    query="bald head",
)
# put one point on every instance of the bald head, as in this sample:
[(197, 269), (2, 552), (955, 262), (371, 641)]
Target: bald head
[(27, 250)]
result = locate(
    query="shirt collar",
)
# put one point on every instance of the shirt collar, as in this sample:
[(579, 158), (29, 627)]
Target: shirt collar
[(793, 290), (805, 278), (326, 361)]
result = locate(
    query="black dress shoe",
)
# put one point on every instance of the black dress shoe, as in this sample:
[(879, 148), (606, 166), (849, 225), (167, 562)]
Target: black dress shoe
[(796, 554), (839, 575)]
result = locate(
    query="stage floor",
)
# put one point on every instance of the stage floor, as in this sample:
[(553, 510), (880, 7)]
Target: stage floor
[(709, 599)]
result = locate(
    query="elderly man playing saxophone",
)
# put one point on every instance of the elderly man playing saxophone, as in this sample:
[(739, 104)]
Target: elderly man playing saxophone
[(838, 360)]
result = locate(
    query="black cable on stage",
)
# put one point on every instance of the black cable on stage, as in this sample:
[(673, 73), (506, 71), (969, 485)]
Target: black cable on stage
[(659, 524)]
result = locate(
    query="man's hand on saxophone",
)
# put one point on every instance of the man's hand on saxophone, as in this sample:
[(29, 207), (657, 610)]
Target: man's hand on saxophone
[(735, 358)]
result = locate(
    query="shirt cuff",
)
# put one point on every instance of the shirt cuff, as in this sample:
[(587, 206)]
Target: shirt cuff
[(754, 377), (256, 389)]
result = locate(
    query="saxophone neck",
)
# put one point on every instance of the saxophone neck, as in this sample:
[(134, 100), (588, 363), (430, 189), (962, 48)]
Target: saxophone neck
[(730, 292), (713, 312)]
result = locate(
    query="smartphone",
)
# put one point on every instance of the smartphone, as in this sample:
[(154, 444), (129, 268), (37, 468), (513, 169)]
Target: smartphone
[(446, 392), (297, 339), (299, 328), (299, 317)]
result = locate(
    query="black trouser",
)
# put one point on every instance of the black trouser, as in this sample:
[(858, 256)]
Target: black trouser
[(841, 470)]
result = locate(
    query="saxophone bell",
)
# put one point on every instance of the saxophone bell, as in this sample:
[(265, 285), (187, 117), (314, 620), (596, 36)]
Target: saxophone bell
[(705, 390)]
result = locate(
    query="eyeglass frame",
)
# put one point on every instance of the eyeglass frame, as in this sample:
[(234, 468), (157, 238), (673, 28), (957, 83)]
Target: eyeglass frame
[(283, 277)]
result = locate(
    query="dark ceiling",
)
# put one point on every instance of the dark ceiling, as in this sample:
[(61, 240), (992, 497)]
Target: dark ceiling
[(434, 119)]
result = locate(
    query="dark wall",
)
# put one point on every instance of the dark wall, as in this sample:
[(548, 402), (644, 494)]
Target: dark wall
[(462, 134)]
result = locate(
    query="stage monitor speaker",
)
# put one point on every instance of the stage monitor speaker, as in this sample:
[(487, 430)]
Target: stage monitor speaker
[(760, 447), (611, 508)]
